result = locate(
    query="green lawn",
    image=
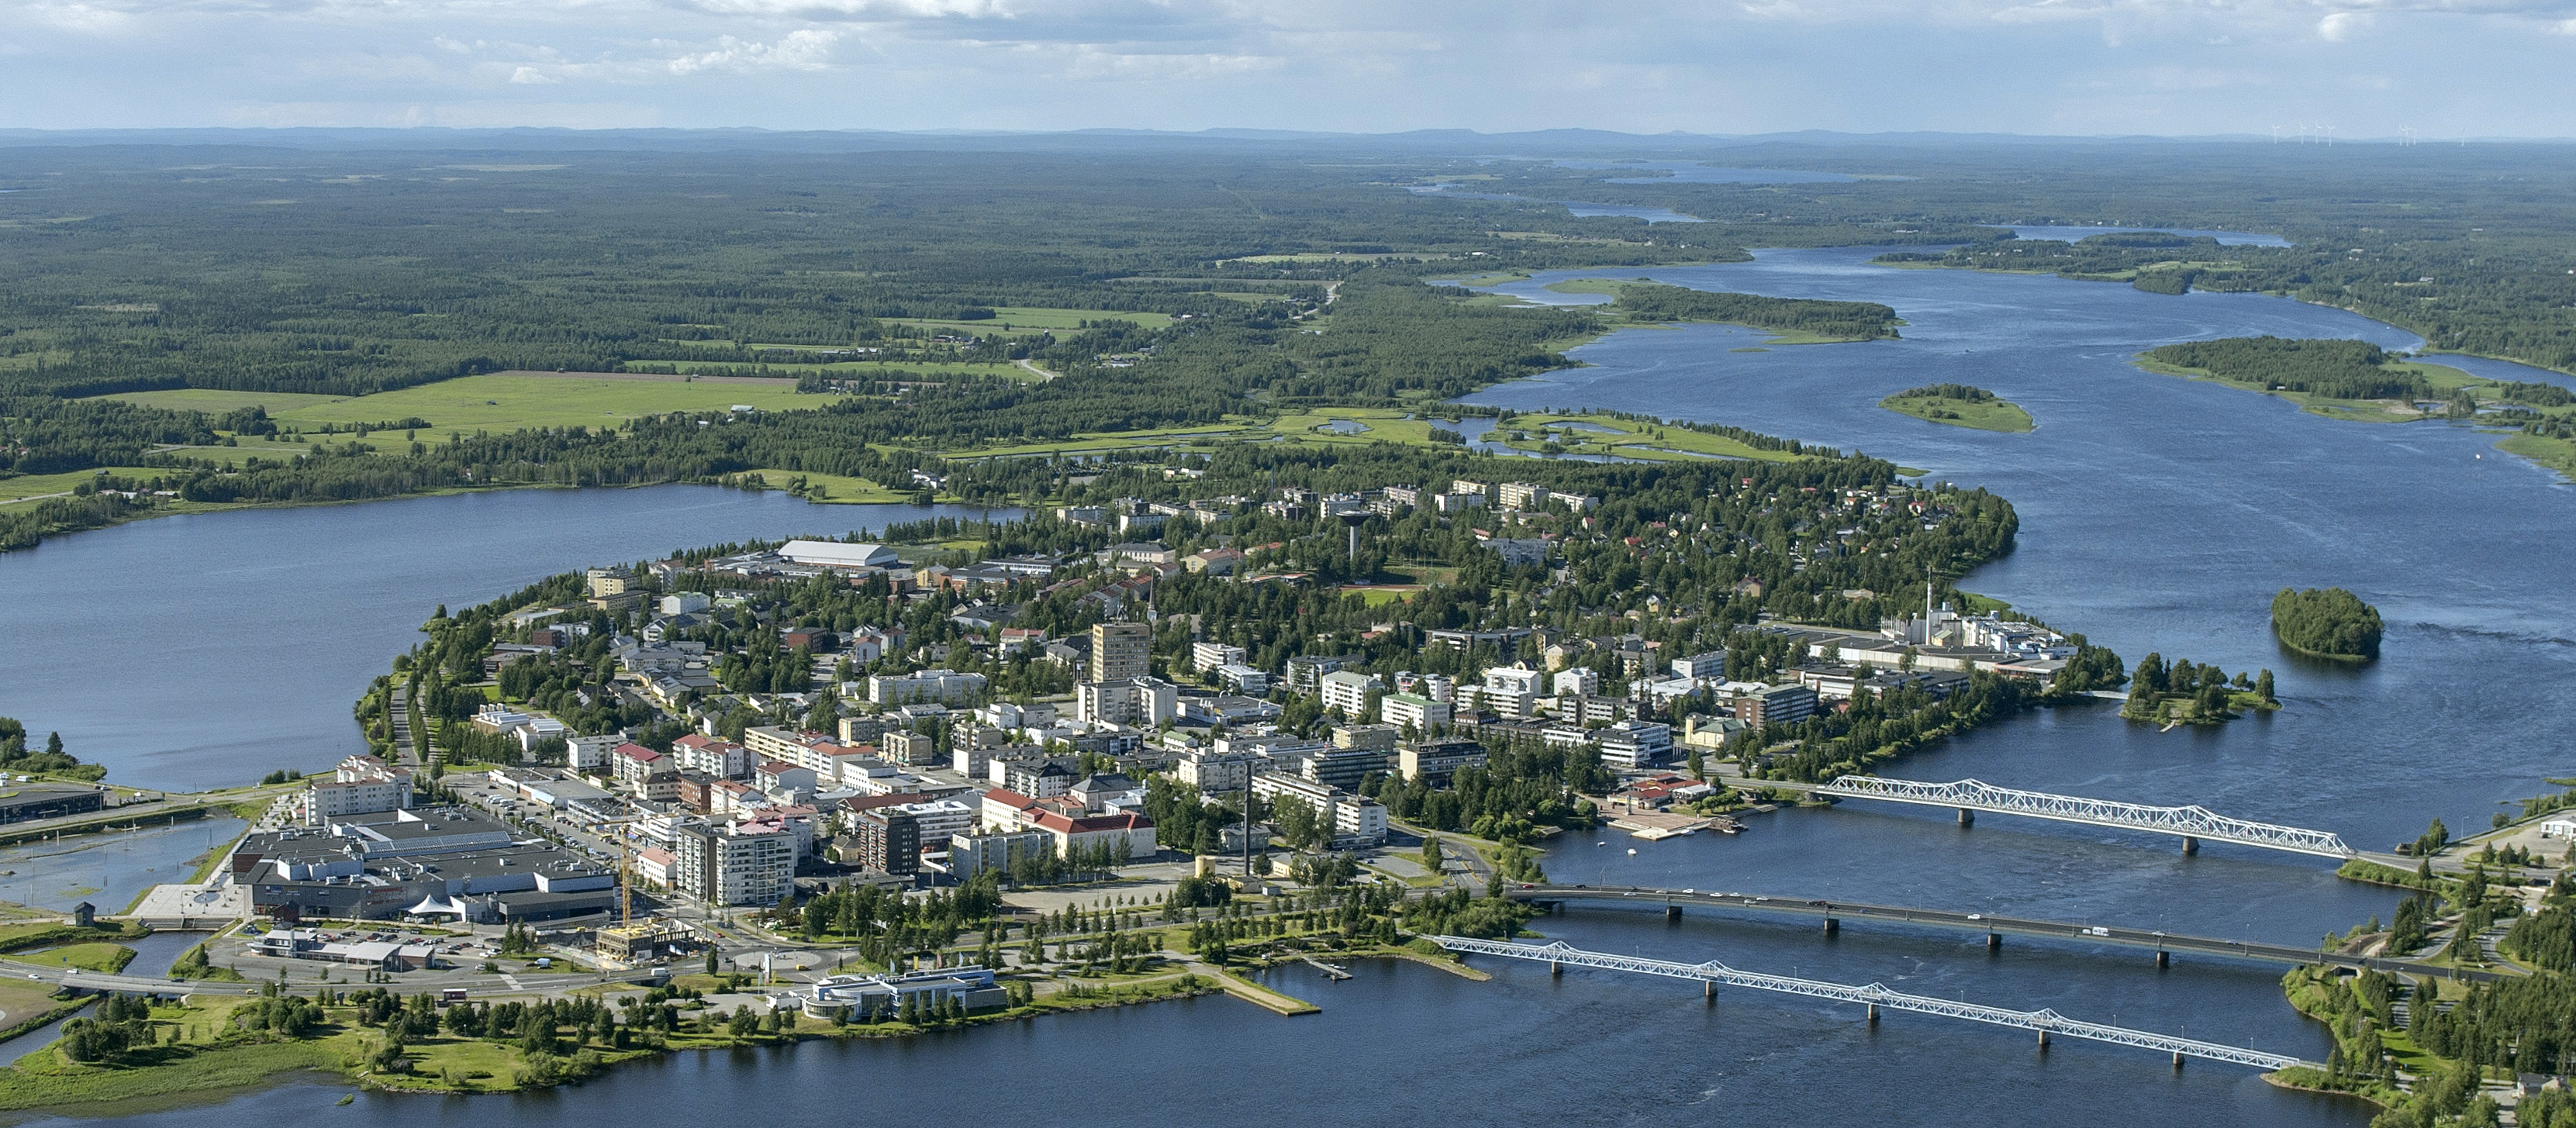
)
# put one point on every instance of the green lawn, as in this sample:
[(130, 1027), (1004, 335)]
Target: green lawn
[(1988, 415), (832, 488), (86, 957), (27, 486), (502, 403)]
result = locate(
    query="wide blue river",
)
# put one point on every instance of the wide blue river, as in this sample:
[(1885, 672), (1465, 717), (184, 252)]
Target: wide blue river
[(2158, 514)]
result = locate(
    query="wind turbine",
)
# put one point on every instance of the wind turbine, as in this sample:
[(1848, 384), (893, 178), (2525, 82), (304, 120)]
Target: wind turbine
[(2276, 135)]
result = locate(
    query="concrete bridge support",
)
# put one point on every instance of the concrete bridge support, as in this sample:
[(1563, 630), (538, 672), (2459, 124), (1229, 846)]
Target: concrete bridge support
[(2190, 846), (2164, 959), (1672, 912), (1833, 927), (1994, 941), (1967, 817)]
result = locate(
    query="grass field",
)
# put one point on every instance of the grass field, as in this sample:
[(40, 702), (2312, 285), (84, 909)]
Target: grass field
[(2556, 454), (1383, 425), (87, 957), (512, 403), (1990, 415), (214, 402), (2440, 376), (831, 488), (1625, 439), (842, 368)]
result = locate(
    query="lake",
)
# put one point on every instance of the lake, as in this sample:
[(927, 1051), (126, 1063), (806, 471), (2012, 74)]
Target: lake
[(205, 650)]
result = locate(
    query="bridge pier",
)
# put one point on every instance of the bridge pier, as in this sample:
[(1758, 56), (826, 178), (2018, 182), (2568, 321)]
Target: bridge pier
[(2177, 1061), (2164, 959), (1672, 912), (1708, 990), (2043, 1041), (1873, 1014), (1967, 817), (1833, 927), (1994, 941), (2190, 846), (1555, 970)]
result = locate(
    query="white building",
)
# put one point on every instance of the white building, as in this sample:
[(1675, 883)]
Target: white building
[(686, 602), (362, 785), (587, 752), (1579, 681), (946, 687), (1356, 819), (1136, 702), (1635, 744), (1709, 665), (1347, 691), (1212, 771), (1407, 709), (1210, 655), (729, 866), (834, 554), (1243, 679)]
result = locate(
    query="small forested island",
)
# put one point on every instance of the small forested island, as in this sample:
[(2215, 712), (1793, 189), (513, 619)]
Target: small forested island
[(1794, 321), (2180, 693), (1959, 405), (2326, 623)]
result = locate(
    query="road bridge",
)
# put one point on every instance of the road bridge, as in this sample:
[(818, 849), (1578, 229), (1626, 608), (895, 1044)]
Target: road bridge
[(2192, 824), (1995, 928), (1874, 996)]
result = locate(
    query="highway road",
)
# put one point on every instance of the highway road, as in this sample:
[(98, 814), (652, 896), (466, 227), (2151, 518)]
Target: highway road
[(1988, 923)]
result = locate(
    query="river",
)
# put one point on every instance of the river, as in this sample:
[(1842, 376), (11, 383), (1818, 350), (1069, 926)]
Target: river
[(205, 650), (2158, 514)]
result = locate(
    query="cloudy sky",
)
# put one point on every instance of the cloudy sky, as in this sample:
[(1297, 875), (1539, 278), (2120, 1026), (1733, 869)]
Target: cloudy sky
[(2442, 68)]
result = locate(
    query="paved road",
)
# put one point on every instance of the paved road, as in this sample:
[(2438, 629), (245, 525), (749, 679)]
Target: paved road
[(1987, 923)]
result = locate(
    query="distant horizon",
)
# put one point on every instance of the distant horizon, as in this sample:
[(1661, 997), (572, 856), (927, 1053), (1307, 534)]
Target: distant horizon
[(2427, 70), (1818, 136)]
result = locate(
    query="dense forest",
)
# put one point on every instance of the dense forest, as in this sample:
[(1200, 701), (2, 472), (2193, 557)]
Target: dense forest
[(1174, 288), (1854, 321), (2335, 369), (2329, 622)]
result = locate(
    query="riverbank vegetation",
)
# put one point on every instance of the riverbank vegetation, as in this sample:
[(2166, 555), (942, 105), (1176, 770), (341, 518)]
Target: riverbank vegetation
[(1794, 320), (2326, 623), (2183, 692), (1958, 405)]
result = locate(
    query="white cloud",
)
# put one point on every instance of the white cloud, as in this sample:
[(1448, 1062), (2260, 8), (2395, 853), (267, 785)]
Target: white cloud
[(807, 49), (531, 76)]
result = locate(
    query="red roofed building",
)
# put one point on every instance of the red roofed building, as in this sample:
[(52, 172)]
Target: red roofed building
[(1130, 835), (644, 771)]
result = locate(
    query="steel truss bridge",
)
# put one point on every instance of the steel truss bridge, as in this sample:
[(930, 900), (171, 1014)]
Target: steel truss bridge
[(2046, 1022), (2191, 824)]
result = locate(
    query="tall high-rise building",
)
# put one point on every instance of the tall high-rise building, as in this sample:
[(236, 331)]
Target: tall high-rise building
[(1119, 651)]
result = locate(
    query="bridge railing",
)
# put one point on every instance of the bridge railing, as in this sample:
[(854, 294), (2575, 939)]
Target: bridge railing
[(2190, 821), (1874, 994)]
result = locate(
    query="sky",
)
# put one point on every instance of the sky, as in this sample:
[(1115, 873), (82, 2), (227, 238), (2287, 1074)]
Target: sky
[(2368, 68)]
